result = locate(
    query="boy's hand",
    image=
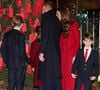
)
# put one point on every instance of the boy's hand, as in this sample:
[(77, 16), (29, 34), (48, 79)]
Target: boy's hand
[(92, 78), (74, 76), (33, 69), (2, 64)]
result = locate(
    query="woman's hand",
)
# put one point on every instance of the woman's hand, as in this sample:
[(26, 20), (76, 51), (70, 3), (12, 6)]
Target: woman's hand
[(73, 75)]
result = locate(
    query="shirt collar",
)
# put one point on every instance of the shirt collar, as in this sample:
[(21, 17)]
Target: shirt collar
[(87, 48), (17, 28)]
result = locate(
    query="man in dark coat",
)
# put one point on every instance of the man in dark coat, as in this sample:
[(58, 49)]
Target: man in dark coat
[(13, 52), (49, 66)]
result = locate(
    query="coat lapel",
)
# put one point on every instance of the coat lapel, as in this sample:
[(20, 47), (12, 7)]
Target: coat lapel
[(83, 55)]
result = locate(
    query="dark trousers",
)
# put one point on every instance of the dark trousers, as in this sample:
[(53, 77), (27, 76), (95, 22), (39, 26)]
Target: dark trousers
[(51, 84), (87, 84), (16, 77)]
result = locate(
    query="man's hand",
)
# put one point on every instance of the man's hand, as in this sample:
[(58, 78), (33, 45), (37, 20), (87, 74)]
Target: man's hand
[(92, 78), (41, 57), (74, 76)]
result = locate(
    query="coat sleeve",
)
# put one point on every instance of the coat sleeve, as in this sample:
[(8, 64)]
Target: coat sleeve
[(32, 55), (44, 32), (22, 50), (3, 49), (96, 65), (76, 35), (75, 63)]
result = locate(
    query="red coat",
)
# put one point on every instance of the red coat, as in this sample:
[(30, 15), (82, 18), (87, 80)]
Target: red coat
[(34, 59), (69, 47)]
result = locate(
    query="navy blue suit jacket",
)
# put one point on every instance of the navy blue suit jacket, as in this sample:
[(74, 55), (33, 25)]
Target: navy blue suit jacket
[(13, 49), (85, 69)]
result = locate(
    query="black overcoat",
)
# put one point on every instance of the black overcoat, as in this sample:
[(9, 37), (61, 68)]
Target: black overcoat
[(51, 29)]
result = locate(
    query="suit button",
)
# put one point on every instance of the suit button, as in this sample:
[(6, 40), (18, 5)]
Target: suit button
[(84, 68), (85, 64)]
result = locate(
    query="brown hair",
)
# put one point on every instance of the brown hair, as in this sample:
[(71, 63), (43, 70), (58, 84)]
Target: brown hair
[(48, 3), (17, 20), (65, 19), (64, 14), (88, 35)]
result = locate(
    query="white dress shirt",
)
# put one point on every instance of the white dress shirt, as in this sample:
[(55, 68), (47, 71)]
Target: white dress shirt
[(89, 52), (17, 28)]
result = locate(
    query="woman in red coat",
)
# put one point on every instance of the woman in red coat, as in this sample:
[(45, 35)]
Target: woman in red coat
[(69, 44), (34, 57)]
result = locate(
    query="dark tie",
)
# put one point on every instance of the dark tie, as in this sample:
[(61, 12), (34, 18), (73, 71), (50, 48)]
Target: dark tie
[(85, 55)]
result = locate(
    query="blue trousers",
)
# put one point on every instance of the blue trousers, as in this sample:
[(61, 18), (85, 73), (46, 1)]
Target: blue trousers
[(16, 77), (87, 84)]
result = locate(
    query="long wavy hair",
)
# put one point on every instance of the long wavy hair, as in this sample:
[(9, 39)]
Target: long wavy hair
[(65, 19)]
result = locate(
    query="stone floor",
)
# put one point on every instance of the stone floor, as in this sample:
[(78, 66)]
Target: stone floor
[(3, 81), (29, 82), (3, 86)]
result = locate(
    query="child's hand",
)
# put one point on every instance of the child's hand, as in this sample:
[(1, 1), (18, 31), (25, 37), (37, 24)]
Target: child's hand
[(74, 76), (33, 69), (92, 78), (2, 64), (29, 70)]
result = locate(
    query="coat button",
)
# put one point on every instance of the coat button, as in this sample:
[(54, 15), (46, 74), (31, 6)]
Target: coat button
[(85, 64)]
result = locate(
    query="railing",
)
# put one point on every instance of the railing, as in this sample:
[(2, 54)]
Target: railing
[(99, 48)]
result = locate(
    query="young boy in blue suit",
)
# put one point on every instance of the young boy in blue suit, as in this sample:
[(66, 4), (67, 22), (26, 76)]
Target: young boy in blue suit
[(85, 66)]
